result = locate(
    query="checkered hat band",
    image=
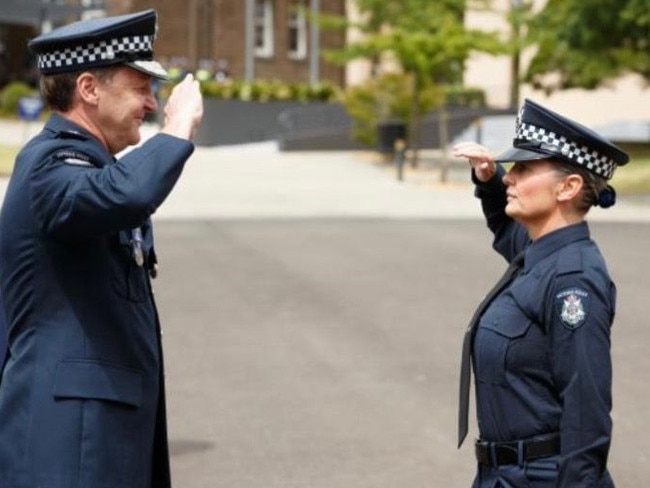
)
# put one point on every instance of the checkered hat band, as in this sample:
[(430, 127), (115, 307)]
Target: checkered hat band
[(94, 53), (572, 151)]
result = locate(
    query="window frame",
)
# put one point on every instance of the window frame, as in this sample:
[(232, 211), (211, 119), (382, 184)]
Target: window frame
[(264, 24), (297, 22)]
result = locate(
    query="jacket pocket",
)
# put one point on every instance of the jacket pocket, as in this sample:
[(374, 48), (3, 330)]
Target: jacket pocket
[(494, 337), (105, 422), (92, 379)]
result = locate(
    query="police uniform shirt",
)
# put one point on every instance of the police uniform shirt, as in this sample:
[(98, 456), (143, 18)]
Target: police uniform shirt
[(542, 348)]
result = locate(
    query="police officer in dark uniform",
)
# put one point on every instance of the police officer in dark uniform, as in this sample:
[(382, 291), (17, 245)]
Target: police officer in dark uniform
[(540, 341), (82, 400), (3, 336)]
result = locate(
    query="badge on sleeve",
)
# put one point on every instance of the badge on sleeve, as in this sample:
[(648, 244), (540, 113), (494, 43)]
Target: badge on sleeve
[(74, 158), (572, 305)]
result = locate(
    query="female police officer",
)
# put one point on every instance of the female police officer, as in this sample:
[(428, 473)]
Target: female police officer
[(540, 341), (82, 397)]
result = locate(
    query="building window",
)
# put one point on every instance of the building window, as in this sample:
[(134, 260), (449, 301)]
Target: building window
[(264, 28), (297, 26)]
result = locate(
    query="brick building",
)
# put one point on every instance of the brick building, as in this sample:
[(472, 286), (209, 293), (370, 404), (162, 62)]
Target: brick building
[(210, 34), (21, 20)]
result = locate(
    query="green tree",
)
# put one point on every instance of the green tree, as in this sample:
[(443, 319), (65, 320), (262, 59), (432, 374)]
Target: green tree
[(428, 39), (585, 43)]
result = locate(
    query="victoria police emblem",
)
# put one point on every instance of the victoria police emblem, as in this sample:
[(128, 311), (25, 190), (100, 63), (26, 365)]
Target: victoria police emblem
[(572, 306)]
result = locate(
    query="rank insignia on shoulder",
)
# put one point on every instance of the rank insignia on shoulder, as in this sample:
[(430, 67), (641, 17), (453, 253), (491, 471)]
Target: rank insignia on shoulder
[(74, 158), (74, 134), (572, 305)]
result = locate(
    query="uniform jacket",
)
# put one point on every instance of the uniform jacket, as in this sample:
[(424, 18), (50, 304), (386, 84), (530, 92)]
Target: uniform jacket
[(82, 396), (542, 352), (3, 334)]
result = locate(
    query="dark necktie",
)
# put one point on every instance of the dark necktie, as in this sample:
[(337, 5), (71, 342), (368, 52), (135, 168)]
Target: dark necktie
[(465, 367)]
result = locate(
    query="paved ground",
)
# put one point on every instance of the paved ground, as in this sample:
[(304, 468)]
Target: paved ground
[(258, 181), (324, 353), (313, 309)]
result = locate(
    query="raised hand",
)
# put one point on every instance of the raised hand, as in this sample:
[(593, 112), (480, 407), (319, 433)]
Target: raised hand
[(184, 109), (480, 158)]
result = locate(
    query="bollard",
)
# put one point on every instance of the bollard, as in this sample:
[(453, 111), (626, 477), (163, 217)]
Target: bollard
[(399, 151)]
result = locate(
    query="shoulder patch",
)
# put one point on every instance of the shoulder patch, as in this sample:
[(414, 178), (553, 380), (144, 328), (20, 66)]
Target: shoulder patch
[(572, 306), (74, 158)]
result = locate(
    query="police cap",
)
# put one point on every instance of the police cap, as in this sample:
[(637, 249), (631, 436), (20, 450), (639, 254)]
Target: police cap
[(544, 134), (124, 39)]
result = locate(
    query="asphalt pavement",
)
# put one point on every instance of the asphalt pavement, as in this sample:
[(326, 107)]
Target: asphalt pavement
[(313, 309), (324, 352)]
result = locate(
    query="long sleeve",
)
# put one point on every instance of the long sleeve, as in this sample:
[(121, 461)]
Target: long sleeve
[(77, 200), (509, 236), (582, 370)]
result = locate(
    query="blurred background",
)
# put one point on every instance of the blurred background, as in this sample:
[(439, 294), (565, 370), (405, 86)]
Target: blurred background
[(353, 74)]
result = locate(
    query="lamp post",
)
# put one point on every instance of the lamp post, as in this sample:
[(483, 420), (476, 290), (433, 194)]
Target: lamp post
[(314, 43), (46, 20), (192, 33), (515, 57), (249, 56)]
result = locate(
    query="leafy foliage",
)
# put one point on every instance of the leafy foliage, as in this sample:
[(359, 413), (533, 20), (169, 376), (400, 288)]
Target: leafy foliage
[(261, 90), (11, 94), (389, 97), (584, 43), (426, 39)]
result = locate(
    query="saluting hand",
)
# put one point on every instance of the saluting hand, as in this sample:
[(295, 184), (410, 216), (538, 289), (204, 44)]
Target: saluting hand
[(184, 109), (480, 158)]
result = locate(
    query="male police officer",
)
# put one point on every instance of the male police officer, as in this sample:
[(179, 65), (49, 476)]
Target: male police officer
[(82, 395)]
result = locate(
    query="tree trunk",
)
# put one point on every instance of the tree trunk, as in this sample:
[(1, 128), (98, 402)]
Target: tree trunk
[(443, 132), (414, 132)]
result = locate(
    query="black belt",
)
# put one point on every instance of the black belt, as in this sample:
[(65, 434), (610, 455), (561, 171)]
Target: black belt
[(516, 452)]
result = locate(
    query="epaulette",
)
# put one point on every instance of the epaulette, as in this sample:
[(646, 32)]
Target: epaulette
[(569, 261), (73, 134), (74, 158)]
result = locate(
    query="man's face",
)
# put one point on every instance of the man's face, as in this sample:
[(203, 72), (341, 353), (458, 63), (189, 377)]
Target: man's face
[(124, 100)]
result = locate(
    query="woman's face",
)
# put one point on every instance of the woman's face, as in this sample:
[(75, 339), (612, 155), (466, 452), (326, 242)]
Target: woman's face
[(532, 192)]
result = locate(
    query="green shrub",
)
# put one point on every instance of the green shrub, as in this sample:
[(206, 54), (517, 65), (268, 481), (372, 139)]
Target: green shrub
[(10, 96), (382, 98), (456, 95), (268, 90), (386, 97), (390, 97)]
